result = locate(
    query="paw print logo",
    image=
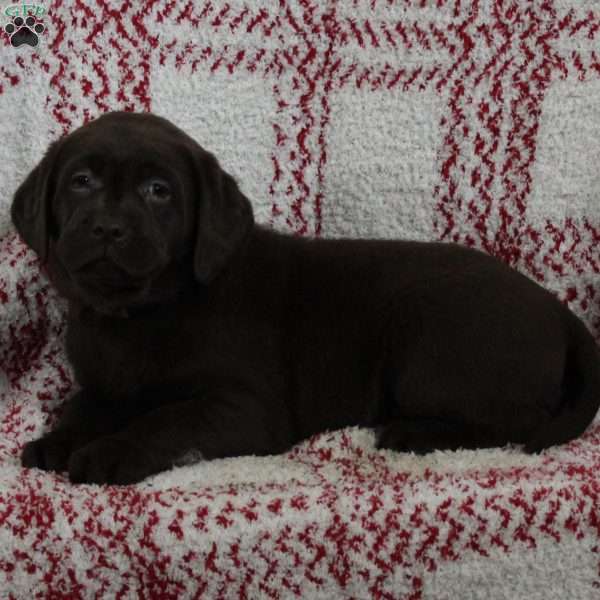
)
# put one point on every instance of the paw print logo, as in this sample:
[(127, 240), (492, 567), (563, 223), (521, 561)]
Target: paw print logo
[(24, 31)]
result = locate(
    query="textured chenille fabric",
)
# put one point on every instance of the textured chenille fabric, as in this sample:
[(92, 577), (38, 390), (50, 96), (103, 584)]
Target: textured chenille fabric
[(466, 121)]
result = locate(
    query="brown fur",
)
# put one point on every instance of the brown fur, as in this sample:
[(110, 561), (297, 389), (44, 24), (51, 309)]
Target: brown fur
[(192, 328)]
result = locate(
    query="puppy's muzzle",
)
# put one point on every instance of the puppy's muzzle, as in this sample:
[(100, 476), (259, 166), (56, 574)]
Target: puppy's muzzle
[(111, 249)]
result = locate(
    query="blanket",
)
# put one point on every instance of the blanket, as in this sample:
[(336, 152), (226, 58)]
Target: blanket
[(467, 121)]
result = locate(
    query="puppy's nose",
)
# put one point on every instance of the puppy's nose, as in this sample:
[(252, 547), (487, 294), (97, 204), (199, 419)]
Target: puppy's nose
[(110, 229)]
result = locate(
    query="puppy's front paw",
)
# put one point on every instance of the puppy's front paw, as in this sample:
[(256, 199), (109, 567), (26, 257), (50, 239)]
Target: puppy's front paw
[(111, 460), (50, 453)]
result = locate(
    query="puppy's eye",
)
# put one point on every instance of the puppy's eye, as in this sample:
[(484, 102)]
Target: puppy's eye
[(157, 189), (80, 181)]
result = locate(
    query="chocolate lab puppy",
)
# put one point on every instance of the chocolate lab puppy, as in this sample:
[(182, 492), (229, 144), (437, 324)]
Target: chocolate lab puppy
[(191, 329)]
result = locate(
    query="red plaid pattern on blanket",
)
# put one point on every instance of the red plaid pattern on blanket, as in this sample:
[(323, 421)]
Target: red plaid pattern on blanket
[(457, 120)]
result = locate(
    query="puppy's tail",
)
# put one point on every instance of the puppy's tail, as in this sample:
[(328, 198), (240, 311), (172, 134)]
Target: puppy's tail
[(580, 390)]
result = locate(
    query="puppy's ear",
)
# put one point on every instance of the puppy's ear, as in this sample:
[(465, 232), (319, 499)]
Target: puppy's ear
[(223, 218), (30, 206)]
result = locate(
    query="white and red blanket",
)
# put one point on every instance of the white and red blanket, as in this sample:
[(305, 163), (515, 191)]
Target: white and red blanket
[(473, 121)]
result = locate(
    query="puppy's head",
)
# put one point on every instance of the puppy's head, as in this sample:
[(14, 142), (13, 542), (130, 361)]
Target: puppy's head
[(120, 205)]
